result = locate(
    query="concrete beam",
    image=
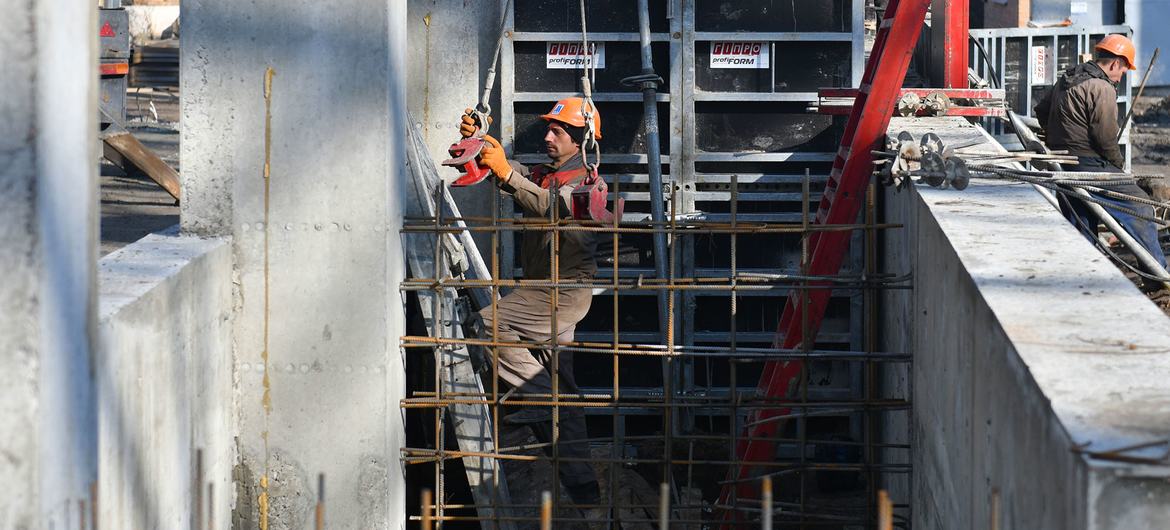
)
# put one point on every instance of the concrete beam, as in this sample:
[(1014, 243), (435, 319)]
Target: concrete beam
[(306, 179), (1029, 345)]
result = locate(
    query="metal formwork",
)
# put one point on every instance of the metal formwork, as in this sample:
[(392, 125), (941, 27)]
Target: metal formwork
[(753, 124), (745, 160), (1025, 62)]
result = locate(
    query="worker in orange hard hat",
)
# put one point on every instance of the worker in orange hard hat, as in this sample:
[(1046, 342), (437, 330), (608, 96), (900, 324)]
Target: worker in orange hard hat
[(524, 315), (1079, 115)]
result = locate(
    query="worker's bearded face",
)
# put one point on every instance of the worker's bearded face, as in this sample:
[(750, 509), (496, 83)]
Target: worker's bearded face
[(558, 143)]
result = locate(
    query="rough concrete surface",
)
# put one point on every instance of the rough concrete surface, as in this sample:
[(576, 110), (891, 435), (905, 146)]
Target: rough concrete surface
[(164, 371), (66, 210), (1049, 349), (316, 247), (22, 266)]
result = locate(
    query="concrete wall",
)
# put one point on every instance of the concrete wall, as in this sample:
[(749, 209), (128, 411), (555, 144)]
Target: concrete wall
[(165, 389), (1028, 344), (316, 248), (48, 227)]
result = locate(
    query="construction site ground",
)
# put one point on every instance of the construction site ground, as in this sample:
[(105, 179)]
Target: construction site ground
[(133, 205)]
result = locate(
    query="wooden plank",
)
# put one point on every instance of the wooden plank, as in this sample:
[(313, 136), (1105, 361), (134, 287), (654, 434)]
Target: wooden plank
[(143, 159)]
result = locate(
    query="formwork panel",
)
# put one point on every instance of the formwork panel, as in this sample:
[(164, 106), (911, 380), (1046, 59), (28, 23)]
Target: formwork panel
[(765, 127), (622, 59), (600, 15), (794, 66), (791, 16)]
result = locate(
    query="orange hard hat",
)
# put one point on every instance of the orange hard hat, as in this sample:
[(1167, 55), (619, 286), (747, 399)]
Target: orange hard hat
[(1121, 46), (569, 112)]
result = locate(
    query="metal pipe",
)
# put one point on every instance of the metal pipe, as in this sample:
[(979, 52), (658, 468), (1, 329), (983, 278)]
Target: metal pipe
[(766, 504), (649, 82), (1143, 256), (664, 488)]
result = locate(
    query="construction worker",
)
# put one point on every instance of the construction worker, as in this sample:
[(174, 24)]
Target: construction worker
[(525, 314), (1079, 115)]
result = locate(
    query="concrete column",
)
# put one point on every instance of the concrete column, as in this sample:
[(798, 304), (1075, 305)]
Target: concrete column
[(451, 50), (48, 228), (304, 177)]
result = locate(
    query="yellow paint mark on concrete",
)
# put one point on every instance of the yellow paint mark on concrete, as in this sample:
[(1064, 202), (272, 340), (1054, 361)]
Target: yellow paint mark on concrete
[(263, 503)]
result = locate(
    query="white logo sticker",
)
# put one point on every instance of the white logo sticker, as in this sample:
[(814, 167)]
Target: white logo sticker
[(739, 55), (567, 55)]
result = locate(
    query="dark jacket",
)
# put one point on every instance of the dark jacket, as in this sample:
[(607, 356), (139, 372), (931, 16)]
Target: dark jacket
[(531, 188), (1079, 114)]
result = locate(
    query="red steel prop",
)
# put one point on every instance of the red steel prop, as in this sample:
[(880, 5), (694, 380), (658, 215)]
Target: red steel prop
[(841, 204)]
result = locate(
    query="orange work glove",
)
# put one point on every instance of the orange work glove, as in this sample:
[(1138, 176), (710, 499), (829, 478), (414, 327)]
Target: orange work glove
[(492, 157), (468, 126)]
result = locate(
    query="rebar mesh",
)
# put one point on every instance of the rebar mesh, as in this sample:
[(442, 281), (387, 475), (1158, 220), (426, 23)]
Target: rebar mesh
[(831, 460)]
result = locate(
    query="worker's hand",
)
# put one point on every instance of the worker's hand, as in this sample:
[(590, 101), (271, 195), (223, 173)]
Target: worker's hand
[(468, 126), (492, 156)]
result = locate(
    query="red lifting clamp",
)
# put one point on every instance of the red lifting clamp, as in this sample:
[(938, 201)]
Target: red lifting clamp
[(589, 198), (464, 155)]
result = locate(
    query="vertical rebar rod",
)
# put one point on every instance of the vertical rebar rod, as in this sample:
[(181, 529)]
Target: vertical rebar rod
[(807, 340), (197, 492), (766, 504), (733, 420), (210, 506), (653, 153), (554, 341), (669, 358), (319, 515), (497, 468), (617, 449), (546, 510), (885, 511), (869, 308), (664, 506), (425, 510), (437, 326)]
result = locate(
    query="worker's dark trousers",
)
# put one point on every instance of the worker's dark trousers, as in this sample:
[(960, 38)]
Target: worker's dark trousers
[(1081, 216), (525, 315)]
